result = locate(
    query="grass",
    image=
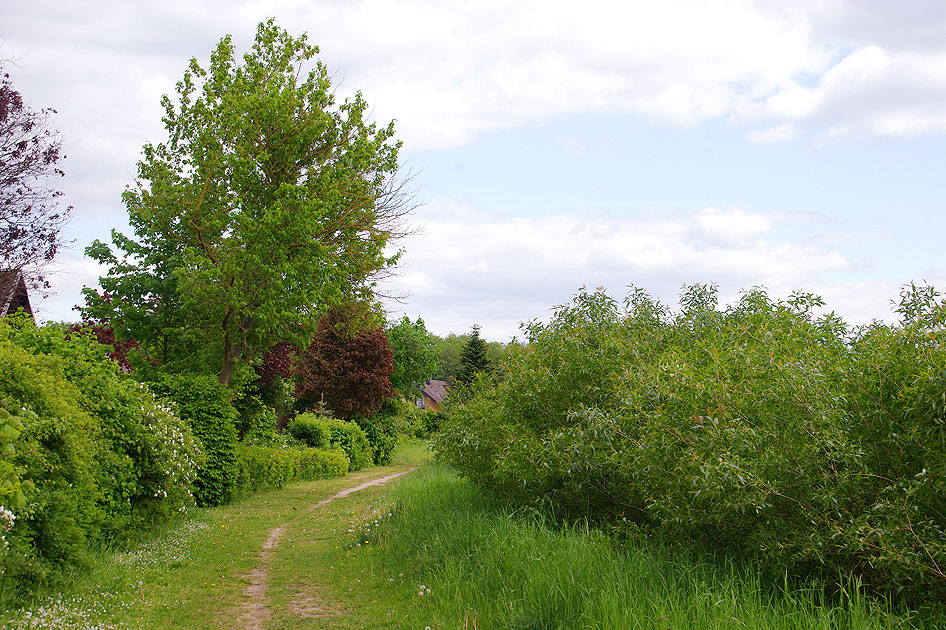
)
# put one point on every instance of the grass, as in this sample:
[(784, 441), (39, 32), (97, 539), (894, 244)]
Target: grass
[(488, 566), (427, 551)]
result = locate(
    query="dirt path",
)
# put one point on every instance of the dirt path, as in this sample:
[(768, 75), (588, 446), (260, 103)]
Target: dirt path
[(255, 611)]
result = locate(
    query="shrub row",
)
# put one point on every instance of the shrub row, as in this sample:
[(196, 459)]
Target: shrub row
[(204, 404), (760, 428), (262, 467), (318, 431)]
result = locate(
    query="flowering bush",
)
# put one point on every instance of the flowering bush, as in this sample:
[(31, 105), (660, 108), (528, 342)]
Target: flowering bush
[(102, 458), (174, 453)]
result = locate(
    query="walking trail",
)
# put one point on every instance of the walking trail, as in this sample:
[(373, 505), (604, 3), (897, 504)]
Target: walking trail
[(255, 611)]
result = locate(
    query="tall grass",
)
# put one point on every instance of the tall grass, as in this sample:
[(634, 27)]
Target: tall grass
[(489, 566)]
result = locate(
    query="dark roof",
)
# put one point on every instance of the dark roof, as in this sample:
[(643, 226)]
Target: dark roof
[(436, 390), (13, 294)]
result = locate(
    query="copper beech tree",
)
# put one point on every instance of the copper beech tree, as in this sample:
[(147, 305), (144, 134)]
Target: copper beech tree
[(268, 203), (347, 365)]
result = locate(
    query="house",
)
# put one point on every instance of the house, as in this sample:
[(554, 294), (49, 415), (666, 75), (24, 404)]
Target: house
[(433, 394), (13, 293)]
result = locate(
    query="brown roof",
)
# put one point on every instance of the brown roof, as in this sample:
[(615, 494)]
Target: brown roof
[(13, 294), (436, 390)]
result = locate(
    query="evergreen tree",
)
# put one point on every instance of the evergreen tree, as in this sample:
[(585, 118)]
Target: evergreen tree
[(473, 358)]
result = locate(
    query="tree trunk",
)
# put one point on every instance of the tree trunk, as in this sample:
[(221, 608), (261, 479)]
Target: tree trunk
[(230, 356)]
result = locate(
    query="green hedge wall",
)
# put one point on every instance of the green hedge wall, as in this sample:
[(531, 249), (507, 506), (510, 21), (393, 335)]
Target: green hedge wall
[(341, 434), (262, 467), (205, 404)]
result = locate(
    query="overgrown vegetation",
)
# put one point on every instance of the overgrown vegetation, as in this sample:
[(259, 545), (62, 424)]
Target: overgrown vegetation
[(759, 429), (100, 457)]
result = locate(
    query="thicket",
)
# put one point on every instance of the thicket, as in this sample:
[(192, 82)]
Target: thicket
[(382, 430), (89, 457), (761, 428), (310, 429)]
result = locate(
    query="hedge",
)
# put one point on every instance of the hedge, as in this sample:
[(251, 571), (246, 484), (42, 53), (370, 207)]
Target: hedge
[(261, 467), (342, 434)]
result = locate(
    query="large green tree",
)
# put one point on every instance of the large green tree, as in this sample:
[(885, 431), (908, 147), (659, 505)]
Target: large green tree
[(448, 356), (268, 203), (415, 355)]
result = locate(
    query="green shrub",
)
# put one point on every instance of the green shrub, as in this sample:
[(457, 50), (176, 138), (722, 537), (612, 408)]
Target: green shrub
[(314, 463), (203, 402), (350, 438), (427, 423), (310, 429), (382, 430), (760, 428), (11, 427), (261, 467), (255, 418)]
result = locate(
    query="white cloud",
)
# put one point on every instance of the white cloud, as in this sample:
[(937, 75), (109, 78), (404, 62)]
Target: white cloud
[(778, 133), (506, 270), (449, 71)]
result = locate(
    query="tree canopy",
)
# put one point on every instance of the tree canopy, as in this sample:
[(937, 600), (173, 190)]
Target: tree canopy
[(267, 204), (415, 355), (31, 220), (348, 365)]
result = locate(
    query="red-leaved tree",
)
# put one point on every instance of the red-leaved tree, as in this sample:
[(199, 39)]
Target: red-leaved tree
[(30, 218), (349, 369)]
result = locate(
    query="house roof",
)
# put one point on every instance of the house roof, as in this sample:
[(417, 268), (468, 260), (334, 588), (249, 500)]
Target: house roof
[(436, 390), (13, 293)]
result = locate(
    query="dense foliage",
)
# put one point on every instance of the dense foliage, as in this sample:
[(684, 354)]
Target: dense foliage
[(264, 468), (348, 365), (267, 203), (30, 156), (342, 434), (203, 402), (349, 437), (449, 349), (96, 455), (310, 429), (415, 356), (382, 430), (758, 428)]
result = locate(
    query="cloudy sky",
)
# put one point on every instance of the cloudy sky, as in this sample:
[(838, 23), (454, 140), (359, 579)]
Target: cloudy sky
[(793, 145)]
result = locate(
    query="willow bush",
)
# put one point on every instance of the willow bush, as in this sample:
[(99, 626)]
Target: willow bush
[(760, 428)]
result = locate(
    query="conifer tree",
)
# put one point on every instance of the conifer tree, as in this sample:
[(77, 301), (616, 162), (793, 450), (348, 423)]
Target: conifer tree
[(473, 359)]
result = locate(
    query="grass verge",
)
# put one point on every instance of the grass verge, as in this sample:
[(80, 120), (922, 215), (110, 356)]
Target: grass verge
[(452, 558)]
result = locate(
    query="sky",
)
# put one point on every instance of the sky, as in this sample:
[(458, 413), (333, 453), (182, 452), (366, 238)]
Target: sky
[(789, 145)]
